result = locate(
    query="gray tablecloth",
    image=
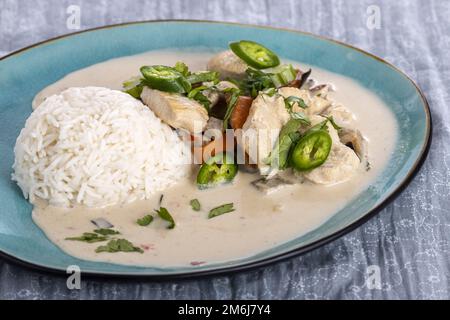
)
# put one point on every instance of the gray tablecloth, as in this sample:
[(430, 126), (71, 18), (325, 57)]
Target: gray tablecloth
[(404, 252)]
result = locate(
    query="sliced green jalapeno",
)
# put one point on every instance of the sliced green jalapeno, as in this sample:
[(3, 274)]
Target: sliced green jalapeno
[(255, 54), (165, 79), (311, 150), (216, 170)]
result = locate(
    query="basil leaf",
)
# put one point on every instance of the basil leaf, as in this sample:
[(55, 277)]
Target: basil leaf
[(164, 214), (225, 208), (195, 204), (292, 100), (145, 221), (288, 136), (106, 232), (89, 238), (230, 105), (119, 245)]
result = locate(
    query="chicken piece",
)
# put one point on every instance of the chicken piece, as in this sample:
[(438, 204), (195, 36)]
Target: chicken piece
[(228, 65), (177, 111), (341, 115), (342, 163), (316, 105), (316, 119), (261, 129)]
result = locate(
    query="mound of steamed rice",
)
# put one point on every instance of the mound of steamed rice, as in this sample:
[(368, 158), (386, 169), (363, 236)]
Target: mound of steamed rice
[(96, 147)]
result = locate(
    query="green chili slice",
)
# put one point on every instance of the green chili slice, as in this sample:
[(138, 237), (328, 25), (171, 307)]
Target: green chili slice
[(217, 170), (255, 54), (165, 79), (311, 151)]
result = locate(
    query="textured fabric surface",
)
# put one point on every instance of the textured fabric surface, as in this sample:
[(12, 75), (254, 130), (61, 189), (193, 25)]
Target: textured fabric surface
[(406, 246)]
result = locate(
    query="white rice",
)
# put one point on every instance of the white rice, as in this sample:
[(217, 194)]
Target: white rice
[(96, 147)]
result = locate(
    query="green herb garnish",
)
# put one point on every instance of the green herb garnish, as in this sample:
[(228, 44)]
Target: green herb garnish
[(195, 204), (106, 232), (234, 96), (333, 123), (203, 76), (182, 68), (290, 102), (133, 87), (119, 245), (288, 136), (197, 95), (164, 214), (145, 221), (225, 208), (89, 237)]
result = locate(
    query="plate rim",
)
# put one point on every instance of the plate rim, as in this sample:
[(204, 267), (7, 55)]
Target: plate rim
[(415, 168)]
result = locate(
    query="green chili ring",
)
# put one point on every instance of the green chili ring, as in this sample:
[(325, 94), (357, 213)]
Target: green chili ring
[(216, 170), (255, 54), (165, 79), (311, 151)]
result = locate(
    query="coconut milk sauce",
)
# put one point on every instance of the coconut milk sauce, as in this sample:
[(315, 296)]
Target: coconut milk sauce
[(259, 222)]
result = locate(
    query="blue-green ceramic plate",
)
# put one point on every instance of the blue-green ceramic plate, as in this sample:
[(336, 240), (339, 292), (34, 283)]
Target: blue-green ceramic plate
[(26, 72)]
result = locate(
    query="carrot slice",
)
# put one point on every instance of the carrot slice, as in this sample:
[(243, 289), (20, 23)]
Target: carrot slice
[(212, 148), (240, 112)]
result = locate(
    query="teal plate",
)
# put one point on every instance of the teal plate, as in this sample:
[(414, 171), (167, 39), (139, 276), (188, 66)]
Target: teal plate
[(24, 73)]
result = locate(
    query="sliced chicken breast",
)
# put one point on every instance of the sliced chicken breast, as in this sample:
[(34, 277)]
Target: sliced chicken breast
[(341, 165), (342, 162), (316, 104), (259, 133), (177, 111)]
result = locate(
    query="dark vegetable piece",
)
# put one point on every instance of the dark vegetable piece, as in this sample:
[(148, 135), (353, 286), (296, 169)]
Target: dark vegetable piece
[(300, 79), (165, 79), (102, 223), (218, 211), (311, 150), (255, 54), (216, 170)]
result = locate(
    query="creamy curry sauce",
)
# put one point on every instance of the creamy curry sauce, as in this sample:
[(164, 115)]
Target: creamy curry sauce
[(259, 222)]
